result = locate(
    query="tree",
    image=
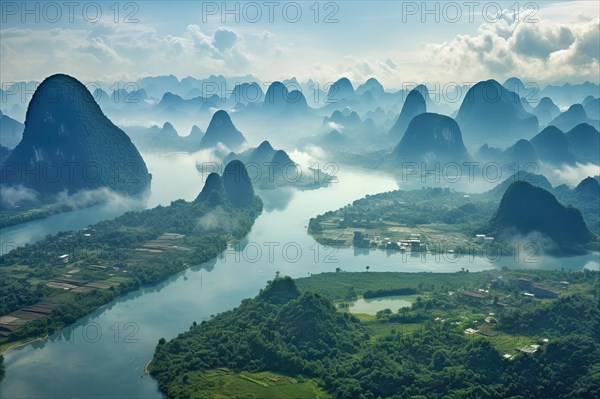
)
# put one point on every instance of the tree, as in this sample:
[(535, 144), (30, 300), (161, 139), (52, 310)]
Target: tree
[(368, 267)]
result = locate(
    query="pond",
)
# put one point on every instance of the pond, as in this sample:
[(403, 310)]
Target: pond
[(373, 305)]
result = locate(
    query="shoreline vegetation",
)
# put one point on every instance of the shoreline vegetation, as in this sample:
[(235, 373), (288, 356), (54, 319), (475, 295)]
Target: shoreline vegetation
[(441, 221), (10, 218), (51, 284), (500, 333), (9, 346), (14, 218), (147, 367)]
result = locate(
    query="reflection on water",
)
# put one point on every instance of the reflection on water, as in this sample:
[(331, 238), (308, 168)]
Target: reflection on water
[(104, 353), (276, 199), (174, 176)]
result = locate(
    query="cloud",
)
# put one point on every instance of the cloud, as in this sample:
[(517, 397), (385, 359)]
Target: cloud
[(102, 52), (562, 47), (541, 41), (215, 219), (224, 39), (391, 64), (545, 52), (334, 125), (12, 196), (194, 39), (85, 198), (533, 242), (19, 196), (573, 175), (120, 52)]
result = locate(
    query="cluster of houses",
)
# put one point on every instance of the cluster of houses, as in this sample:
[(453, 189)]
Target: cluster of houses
[(535, 290), (413, 243), (483, 239), (528, 288)]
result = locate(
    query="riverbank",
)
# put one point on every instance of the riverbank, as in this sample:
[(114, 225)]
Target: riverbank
[(147, 366), (69, 275), (507, 318), (7, 347)]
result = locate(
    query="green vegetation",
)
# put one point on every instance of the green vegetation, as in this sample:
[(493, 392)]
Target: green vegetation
[(455, 342), (438, 216), (281, 330), (63, 277), (527, 209), (223, 383), (343, 286), (443, 220), (14, 217), (389, 292)]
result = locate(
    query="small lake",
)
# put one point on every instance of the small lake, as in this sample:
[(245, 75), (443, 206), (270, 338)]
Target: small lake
[(373, 305)]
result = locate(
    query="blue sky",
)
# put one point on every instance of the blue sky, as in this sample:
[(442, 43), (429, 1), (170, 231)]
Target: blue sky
[(548, 42)]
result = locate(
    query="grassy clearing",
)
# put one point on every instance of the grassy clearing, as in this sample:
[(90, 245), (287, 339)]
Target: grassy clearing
[(506, 343), (223, 383), (343, 286), (381, 329)]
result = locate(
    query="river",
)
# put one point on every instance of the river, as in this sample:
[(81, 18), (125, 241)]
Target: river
[(104, 353)]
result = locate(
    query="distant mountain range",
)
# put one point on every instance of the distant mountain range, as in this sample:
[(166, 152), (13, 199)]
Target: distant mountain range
[(531, 178), (373, 86), (572, 117), (344, 117), (11, 131), (165, 138), (580, 144), (591, 106), (545, 111)]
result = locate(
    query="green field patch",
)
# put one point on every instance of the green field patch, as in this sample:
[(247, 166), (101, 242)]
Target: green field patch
[(118, 279), (377, 329), (508, 344), (223, 383)]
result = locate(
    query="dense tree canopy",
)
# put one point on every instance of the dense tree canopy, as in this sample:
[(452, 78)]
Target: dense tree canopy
[(285, 331)]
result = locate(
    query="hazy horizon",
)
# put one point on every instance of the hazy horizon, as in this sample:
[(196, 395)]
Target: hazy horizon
[(551, 42)]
